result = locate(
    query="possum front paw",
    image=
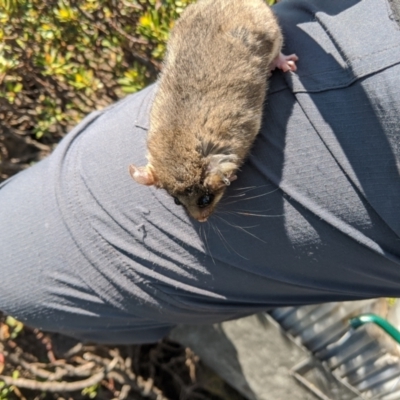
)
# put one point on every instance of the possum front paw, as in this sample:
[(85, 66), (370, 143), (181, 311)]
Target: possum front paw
[(285, 63)]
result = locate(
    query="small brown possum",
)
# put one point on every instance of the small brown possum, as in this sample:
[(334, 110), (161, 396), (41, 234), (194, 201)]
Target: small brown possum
[(208, 107)]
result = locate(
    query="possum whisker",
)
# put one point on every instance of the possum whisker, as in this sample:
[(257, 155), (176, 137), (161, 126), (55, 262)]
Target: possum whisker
[(248, 188), (241, 228), (253, 211), (238, 195), (247, 214), (244, 191), (226, 243), (233, 213), (206, 243), (247, 198), (201, 234), (219, 234), (261, 195)]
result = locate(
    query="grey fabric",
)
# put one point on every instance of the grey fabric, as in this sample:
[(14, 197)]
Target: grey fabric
[(313, 216)]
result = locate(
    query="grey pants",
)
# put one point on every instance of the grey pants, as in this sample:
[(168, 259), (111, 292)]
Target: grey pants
[(313, 216)]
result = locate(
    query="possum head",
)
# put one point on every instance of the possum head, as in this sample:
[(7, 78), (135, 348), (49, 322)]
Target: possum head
[(198, 188)]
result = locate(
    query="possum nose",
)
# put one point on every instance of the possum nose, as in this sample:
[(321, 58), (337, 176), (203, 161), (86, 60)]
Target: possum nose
[(200, 215)]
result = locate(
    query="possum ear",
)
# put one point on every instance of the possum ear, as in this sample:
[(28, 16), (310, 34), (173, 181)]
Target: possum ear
[(143, 175), (221, 170)]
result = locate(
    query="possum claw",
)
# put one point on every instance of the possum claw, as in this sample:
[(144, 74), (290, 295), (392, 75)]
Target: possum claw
[(285, 63)]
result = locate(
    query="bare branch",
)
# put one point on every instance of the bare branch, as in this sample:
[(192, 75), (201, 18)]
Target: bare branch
[(53, 386)]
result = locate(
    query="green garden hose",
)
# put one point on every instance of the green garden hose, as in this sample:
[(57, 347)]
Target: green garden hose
[(356, 322)]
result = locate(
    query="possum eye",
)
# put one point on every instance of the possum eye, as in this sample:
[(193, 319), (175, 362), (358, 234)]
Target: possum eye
[(205, 200), (177, 202)]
